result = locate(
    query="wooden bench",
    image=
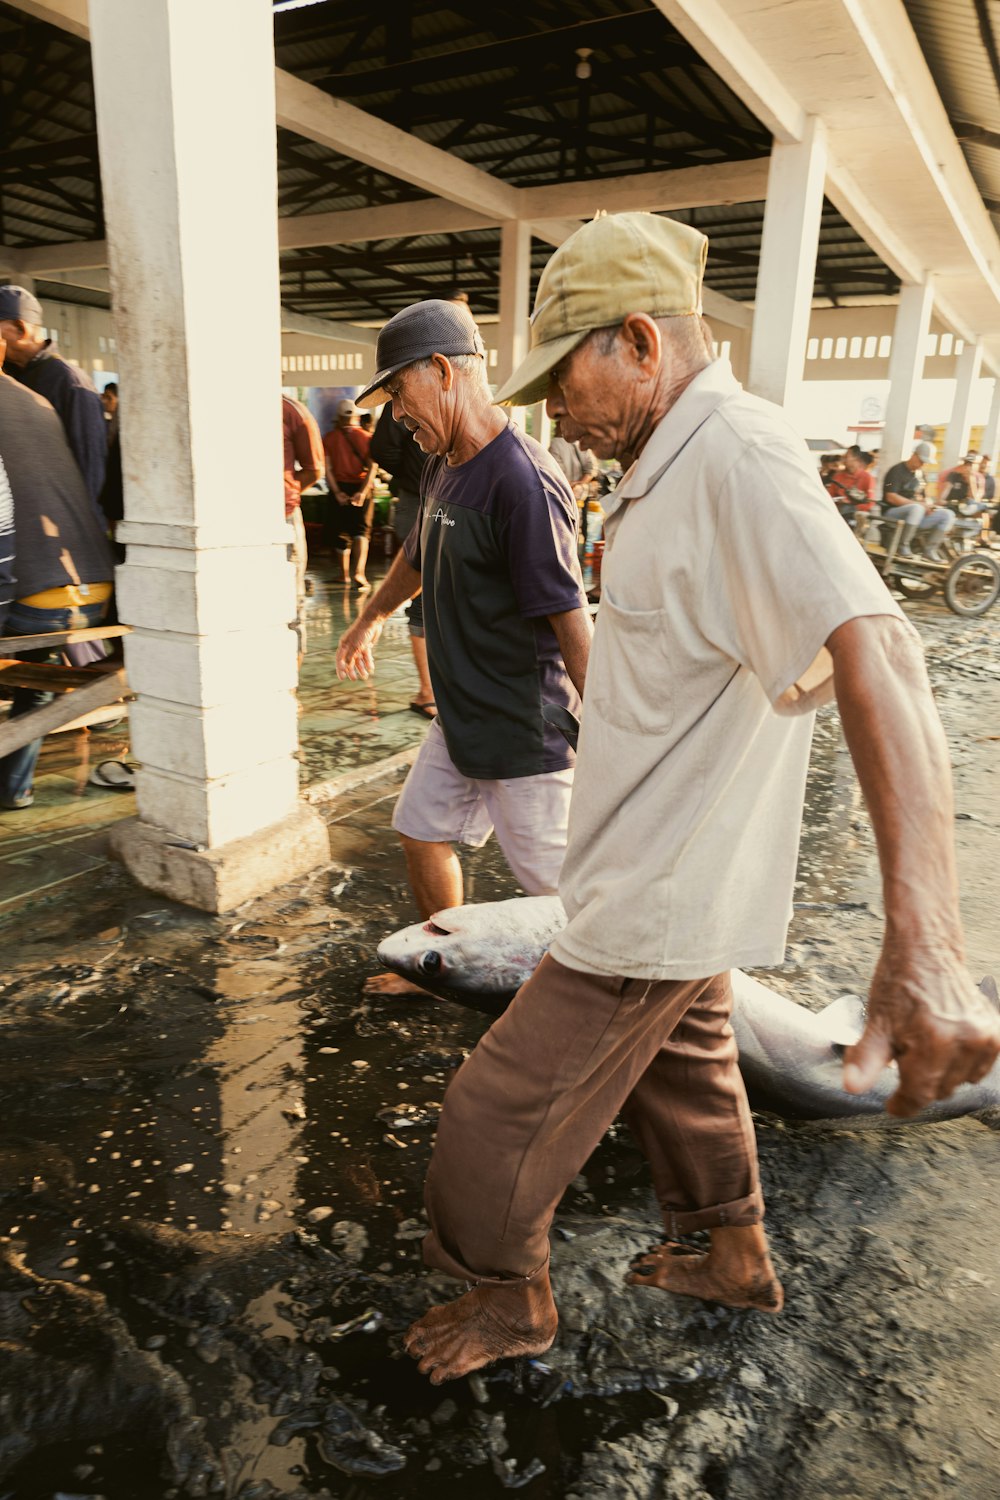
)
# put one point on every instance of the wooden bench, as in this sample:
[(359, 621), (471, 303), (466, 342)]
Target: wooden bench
[(85, 694)]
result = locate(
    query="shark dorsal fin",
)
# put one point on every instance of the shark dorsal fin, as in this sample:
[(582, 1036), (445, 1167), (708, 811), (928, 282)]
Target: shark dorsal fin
[(843, 1020)]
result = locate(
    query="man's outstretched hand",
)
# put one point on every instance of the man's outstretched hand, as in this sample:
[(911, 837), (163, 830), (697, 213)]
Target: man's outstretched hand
[(925, 1012), (356, 650)]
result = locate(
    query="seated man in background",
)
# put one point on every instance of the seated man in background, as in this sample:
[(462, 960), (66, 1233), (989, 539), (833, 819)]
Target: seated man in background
[(852, 486), (961, 489), (904, 492)]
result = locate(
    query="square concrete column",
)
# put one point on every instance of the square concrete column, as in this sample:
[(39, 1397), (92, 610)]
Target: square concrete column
[(906, 370), (515, 289), (790, 240), (956, 438), (991, 432), (188, 164)]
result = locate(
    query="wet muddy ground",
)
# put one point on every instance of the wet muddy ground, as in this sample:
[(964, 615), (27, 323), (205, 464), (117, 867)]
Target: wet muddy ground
[(211, 1160)]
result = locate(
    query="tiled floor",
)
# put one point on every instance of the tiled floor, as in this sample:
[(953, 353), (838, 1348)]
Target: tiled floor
[(343, 725)]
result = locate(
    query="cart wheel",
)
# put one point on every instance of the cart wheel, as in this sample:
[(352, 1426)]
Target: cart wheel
[(915, 585), (972, 585)]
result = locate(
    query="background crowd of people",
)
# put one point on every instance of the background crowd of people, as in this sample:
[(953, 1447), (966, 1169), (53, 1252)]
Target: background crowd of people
[(74, 464), (961, 500)]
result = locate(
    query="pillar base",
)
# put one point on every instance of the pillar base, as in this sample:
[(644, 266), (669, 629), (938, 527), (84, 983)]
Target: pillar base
[(218, 880)]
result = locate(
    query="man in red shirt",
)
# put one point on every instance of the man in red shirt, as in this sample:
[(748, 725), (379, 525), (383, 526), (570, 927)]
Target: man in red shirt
[(853, 486), (303, 466), (350, 473)]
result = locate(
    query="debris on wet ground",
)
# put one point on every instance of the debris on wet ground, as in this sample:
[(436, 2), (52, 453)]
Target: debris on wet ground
[(211, 1216)]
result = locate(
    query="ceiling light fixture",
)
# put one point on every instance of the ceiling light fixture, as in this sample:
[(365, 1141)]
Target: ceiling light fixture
[(583, 68)]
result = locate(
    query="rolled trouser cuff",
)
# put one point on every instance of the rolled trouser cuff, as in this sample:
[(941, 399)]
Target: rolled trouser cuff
[(741, 1213), (437, 1258)]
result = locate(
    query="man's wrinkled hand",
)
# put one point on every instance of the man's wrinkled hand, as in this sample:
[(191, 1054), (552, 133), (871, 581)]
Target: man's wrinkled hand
[(930, 1017), (356, 650)]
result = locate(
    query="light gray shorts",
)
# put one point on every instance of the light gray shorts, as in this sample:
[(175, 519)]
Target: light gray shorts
[(438, 805)]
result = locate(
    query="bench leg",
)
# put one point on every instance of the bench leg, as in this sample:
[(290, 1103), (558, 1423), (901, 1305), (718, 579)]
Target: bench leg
[(32, 722)]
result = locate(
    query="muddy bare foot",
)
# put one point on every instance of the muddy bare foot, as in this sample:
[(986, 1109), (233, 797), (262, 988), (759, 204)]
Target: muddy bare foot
[(487, 1324), (393, 984), (690, 1274)]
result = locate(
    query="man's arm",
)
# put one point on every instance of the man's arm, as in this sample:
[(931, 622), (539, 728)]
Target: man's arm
[(307, 447), (355, 650), (87, 432), (369, 484), (574, 632), (924, 1009)]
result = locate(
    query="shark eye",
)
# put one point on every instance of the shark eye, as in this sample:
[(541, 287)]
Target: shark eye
[(430, 962)]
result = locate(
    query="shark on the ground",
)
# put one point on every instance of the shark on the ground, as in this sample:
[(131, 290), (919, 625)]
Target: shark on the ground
[(791, 1057)]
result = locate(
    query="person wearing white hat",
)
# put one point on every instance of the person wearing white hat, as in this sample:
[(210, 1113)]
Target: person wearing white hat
[(734, 601)]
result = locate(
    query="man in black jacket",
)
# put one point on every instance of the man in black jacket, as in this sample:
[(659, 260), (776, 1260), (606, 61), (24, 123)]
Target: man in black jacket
[(33, 361), (62, 558)]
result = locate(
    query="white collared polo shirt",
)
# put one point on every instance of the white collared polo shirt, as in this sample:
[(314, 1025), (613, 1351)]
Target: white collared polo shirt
[(726, 569)]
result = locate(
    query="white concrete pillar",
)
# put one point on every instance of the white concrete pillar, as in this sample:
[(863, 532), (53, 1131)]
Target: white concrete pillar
[(906, 370), (789, 243), (207, 583), (956, 438), (991, 432), (515, 287)]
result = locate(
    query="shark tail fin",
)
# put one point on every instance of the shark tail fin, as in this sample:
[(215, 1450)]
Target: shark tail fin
[(988, 986)]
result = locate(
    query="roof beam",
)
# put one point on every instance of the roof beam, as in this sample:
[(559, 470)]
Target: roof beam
[(306, 110), (326, 328), (723, 45), (723, 309), (686, 187), (388, 221), (73, 255), (68, 15)]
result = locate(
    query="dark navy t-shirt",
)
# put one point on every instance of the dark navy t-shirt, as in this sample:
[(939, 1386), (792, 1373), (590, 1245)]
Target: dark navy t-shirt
[(496, 549)]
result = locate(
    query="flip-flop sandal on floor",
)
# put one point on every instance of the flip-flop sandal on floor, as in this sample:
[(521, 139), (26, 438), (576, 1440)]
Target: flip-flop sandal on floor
[(425, 710), (115, 775)]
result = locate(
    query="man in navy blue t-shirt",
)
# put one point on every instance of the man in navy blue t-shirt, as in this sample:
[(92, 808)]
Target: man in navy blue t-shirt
[(494, 554)]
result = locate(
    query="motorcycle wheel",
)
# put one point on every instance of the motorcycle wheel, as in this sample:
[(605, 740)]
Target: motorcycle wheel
[(972, 585), (916, 585)]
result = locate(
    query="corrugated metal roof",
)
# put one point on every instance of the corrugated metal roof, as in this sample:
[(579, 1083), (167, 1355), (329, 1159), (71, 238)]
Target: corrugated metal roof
[(952, 36), (497, 88)]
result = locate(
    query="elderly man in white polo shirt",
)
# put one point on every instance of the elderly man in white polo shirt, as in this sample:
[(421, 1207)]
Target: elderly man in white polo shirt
[(734, 601)]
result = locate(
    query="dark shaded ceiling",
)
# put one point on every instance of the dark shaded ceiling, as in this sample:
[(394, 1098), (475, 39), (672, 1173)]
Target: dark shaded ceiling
[(960, 40), (497, 86)]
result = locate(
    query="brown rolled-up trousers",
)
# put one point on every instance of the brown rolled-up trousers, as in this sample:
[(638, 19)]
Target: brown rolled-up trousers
[(525, 1111)]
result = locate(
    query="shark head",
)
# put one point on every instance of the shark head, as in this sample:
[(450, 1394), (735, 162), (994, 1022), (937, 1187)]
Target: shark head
[(479, 955)]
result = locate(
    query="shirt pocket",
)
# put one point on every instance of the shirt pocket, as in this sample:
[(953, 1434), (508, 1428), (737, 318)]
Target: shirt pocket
[(632, 685)]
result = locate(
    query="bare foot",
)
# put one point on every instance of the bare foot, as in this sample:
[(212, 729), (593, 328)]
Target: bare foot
[(489, 1323), (393, 984), (747, 1281)]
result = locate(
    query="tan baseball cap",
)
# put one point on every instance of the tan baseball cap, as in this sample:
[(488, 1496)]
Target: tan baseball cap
[(616, 264)]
